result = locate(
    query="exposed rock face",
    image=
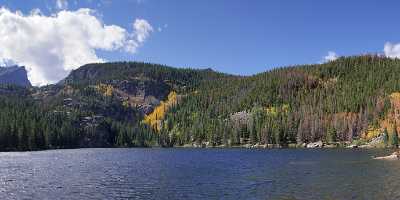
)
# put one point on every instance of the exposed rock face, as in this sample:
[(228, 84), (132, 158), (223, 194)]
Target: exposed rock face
[(15, 75), (241, 117), (130, 83)]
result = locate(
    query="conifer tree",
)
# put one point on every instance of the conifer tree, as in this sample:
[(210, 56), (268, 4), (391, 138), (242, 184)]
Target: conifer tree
[(385, 137), (395, 137)]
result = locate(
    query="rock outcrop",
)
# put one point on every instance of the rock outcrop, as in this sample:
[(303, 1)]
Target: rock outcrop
[(318, 144), (14, 75), (393, 156)]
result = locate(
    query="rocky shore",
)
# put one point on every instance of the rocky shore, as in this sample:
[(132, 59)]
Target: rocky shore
[(393, 156), (311, 145)]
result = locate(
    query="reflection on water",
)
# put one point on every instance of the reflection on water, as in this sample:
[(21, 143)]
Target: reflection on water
[(198, 174)]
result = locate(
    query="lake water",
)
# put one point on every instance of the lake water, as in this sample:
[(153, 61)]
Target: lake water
[(198, 174)]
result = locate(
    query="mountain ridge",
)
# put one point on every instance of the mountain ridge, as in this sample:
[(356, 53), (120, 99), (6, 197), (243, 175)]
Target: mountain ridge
[(128, 104)]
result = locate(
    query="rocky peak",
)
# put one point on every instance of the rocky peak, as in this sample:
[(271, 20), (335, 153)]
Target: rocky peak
[(15, 75)]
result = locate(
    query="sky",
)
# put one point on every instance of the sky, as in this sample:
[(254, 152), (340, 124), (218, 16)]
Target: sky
[(53, 37)]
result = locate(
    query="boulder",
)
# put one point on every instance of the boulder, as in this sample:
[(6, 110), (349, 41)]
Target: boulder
[(247, 146), (331, 146), (318, 144), (393, 156), (365, 146)]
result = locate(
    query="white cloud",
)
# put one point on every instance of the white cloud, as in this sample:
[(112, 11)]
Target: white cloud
[(160, 29), (331, 56), (51, 46), (142, 29), (62, 4), (36, 11), (392, 50), (7, 63)]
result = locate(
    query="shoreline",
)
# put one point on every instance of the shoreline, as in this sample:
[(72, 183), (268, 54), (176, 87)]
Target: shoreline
[(190, 146), (394, 156)]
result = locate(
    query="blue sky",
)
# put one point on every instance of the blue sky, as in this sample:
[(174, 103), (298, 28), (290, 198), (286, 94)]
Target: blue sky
[(240, 36)]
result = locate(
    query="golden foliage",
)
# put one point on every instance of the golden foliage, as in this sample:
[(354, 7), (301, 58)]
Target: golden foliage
[(155, 118), (371, 133), (395, 95), (274, 110), (390, 120), (106, 90)]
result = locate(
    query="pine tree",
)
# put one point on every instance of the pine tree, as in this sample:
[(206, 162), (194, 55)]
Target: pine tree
[(331, 135), (395, 137), (385, 137)]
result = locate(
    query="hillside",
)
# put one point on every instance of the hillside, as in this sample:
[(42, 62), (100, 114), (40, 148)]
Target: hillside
[(127, 104), (97, 105), (336, 101)]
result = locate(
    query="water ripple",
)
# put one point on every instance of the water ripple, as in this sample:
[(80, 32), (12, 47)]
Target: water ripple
[(197, 174)]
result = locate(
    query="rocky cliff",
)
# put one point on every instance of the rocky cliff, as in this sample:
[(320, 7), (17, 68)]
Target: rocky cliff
[(15, 75)]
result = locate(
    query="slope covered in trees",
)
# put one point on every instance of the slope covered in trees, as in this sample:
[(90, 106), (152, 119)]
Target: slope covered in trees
[(127, 104), (335, 101), (98, 105)]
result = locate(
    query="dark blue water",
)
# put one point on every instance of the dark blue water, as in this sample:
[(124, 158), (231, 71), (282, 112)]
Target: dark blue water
[(198, 174)]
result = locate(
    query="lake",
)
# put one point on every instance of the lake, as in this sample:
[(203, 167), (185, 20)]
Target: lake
[(181, 173)]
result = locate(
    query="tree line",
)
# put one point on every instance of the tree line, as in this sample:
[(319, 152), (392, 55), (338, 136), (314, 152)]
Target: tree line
[(338, 101)]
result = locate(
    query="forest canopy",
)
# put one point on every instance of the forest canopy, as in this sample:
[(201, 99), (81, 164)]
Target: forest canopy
[(129, 104)]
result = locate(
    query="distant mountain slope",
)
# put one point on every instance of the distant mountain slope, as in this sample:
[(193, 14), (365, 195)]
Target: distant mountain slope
[(118, 71), (139, 85), (14, 75)]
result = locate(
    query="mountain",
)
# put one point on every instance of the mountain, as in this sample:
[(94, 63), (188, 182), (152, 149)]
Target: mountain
[(126, 104), (14, 75)]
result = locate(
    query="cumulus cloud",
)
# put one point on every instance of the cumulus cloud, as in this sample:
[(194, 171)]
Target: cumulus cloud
[(62, 4), (51, 46), (331, 56), (7, 63), (392, 50), (142, 29), (36, 11)]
